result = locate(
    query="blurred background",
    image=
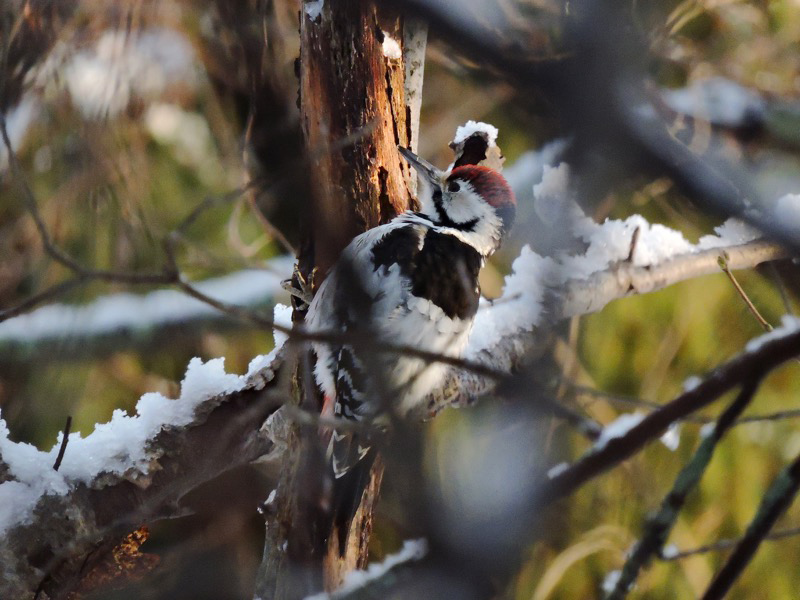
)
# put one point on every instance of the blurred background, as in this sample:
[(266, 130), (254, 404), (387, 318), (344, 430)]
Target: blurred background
[(126, 117)]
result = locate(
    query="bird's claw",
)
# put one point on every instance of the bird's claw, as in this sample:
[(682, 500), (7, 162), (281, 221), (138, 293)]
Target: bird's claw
[(300, 288)]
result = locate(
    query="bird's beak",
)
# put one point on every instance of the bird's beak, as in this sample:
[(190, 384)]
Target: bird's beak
[(430, 173)]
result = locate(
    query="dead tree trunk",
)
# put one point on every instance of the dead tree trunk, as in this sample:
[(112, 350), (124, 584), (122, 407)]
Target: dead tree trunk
[(354, 115)]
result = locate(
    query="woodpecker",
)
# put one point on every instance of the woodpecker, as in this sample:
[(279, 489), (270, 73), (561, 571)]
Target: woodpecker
[(411, 282)]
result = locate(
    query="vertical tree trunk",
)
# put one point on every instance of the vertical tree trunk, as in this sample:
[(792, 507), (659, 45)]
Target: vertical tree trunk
[(354, 115), (353, 111)]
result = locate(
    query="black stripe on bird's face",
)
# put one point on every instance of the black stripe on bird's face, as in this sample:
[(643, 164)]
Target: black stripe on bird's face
[(445, 220)]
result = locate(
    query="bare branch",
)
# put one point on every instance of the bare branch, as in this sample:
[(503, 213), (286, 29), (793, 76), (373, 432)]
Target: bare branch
[(749, 366), (54, 291), (723, 264), (659, 525), (725, 545), (774, 503), (64, 441)]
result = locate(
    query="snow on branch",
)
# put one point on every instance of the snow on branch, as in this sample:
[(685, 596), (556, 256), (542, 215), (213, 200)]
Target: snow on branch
[(121, 446), (124, 314), (621, 258), (140, 449)]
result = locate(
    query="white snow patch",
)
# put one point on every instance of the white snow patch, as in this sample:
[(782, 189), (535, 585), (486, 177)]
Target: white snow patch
[(787, 211), (130, 312), (553, 200), (528, 169), (557, 470), (669, 551), (465, 131), (608, 242), (612, 241), (355, 580), (18, 120), (282, 315), (391, 49), (314, 9), (610, 581), (717, 100), (731, 233), (789, 324), (672, 437), (707, 429), (691, 383), (618, 428), (520, 307)]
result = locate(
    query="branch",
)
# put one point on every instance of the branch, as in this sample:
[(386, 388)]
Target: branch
[(672, 553), (512, 330), (762, 356), (58, 524), (659, 525), (122, 320), (775, 502), (582, 297)]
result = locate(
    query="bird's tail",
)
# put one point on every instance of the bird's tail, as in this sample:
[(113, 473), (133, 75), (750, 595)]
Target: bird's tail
[(348, 489), (350, 460)]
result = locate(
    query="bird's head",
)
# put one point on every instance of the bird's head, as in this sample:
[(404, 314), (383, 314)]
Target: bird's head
[(475, 201)]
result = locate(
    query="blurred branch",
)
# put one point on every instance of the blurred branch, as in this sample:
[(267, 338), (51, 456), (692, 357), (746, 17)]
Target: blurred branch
[(776, 500), (123, 320), (658, 526), (28, 31), (724, 545), (697, 419), (749, 366)]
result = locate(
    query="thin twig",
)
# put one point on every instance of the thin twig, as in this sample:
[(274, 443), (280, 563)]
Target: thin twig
[(268, 227), (695, 419), (48, 294), (723, 264), (725, 544), (634, 242), (64, 440)]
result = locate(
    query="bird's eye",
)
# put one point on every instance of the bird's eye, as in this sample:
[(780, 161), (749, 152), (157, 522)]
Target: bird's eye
[(453, 187)]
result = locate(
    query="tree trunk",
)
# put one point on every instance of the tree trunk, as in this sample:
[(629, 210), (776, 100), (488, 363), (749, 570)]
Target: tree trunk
[(354, 115)]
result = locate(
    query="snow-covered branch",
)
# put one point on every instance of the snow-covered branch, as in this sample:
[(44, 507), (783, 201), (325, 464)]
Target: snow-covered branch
[(125, 318), (129, 470), (621, 258)]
